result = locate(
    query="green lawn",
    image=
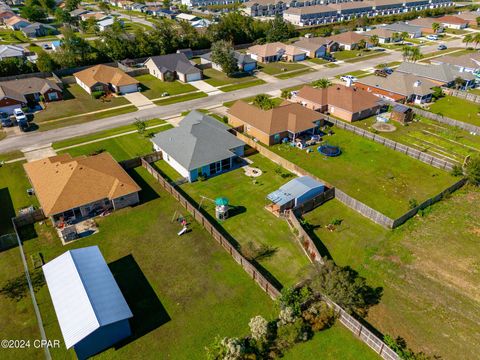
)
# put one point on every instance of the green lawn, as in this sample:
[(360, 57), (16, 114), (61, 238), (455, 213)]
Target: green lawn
[(254, 223), (276, 101), (358, 74), (326, 346), (428, 269), (183, 291), (294, 73), (242, 85), (153, 88), (275, 68), (432, 137), (181, 98), (77, 101), (378, 176), (366, 56), (331, 65), (456, 31), (348, 54), (458, 109), (8, 36), (219, 78), (318, 61)]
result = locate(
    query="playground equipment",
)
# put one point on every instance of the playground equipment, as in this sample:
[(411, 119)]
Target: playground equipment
[(221, 208), (329, 150), (182, 220)]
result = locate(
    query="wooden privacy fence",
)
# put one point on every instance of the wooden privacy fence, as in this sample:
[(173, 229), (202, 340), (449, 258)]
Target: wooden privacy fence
[(262, 281), (29, 218), (304, 239), (462, 95), (404, 149)]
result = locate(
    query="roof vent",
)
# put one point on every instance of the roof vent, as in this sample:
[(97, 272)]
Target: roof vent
[(417, 83)]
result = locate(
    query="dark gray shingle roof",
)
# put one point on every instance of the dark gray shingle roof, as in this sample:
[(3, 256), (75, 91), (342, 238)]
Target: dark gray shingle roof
[(174, 62), (442, 72), (242, 59)]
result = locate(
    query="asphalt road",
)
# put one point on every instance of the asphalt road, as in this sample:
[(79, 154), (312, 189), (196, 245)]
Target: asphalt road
[(41, 138)]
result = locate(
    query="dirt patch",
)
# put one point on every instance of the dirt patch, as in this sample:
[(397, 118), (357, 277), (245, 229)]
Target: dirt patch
[(384, 127)]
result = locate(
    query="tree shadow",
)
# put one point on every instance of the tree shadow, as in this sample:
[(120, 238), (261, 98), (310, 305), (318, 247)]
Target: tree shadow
[(148, 311), (147, 193), (7, 212), (310, 229), (67, 95), (27, 232)]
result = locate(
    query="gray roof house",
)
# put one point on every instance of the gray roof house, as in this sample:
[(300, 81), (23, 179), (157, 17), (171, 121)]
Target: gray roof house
[(443, 74), (38, 29), (173, 66), (245, 62), (9, 51), (199, 146), (399, 27)]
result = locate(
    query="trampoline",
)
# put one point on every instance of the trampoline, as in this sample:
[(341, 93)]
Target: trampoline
[(329, 150)]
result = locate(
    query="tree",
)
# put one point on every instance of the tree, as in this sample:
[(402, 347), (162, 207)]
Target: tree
[(263, 102), (435, 27), (362, 44), (344, 286), (374, 40), (258, 328), (395, 36), (45, 63), (458, 82), (167, 4), (293, 299), (467, 39), (71, 5), (226, 348), (62, 16), (33, 13), (286, 94), (411, 53), (103, 6), (223, 54), (279, 30), (404, 35), (477, 19), (476, 39), (472, 170), (322, 83)]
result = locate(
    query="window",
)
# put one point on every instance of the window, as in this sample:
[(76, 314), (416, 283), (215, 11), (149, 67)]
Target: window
[(212, 169), (225, 164)]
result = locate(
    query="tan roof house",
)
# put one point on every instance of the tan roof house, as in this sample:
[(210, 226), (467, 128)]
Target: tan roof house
[(16, 23), (348, 40), (107, 79), (81, 187), (276, 51), (427, 25), (470, 17), (384, 35), (288, 120), (453, 22), (346, 103), (316, 47)]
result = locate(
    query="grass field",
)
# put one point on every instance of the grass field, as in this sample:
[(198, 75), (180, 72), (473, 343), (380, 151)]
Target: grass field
[(294, 73), (276, 101), (242, 85), (77, 101), (348, 54), (429, 136), (458, 109), (183, 288), (251, 222), (318, 61), (219, 78), (275, 68), (428, 269), (181, 98), (153, 88), (380, 177)]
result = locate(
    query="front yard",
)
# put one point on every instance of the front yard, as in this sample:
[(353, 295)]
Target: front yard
[(458, 109), (218, 78), (380, 177), (275, 68), (154, 88)]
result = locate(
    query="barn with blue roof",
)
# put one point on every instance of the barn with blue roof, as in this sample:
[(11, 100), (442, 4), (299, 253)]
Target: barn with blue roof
[(91, 310), (295, 193)]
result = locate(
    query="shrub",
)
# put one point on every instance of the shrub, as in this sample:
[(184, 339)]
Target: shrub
[(472, 170), (294, 299), (319, 316), (289, 334), (457, 171), (258, 328), (412, 203), (97, 94), (225, 349)]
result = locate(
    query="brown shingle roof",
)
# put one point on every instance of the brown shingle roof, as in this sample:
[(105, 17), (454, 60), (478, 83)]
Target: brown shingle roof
[(343, 97), (380, 32), (106, 75), (450, 19), (271, 49), (287, 117), (62, 183), (13, 20), (348, 37)]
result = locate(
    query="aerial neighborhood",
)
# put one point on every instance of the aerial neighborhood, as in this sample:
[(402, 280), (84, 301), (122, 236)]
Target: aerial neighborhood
[(233, 180)]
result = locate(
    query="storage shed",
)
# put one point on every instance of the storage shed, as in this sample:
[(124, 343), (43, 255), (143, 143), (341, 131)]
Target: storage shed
[(295, 193), (401, 113), (91, 310)]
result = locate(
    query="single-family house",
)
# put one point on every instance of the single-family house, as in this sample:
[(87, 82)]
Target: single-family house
[(187, 52), (469, 16), (75, 14), (349, 40), (16, 23), (400, 87), (295, 193), (290, 120), (37, 29), (200, 146), (96, 15), (413, 31), (245, 62), (11, 51), (346, 103), (91, 310), (316, 47), (107, 23), (187, 17), (23, 92), (466, 62), (427, 25), (81, 187), (107, 79), (5, 14), (384, 36), (452, 22), (173, 66), (276, 51), (442, 74)]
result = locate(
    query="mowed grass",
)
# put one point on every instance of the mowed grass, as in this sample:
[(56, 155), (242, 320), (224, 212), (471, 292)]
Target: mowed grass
[(458, 109), (378, 176), (181, 98), (294, 73), (183, 291), (428, 269), (242, 85), (153, 88), (77, 101), (219, 78), (275, 68), (250, 222)]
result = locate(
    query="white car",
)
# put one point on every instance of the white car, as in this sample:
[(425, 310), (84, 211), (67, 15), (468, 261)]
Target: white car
[(348, 78), (19, 115), (432, 37)]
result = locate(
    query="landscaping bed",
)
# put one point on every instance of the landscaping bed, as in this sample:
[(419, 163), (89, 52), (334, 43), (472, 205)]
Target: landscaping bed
[(153, 88)]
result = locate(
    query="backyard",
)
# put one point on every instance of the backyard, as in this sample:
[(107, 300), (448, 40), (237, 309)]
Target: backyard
[(380, 177), (154, 88), (430, 293), (458, 109)]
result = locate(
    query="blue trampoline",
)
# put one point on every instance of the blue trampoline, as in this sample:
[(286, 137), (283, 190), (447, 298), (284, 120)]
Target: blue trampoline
[(329, 150)]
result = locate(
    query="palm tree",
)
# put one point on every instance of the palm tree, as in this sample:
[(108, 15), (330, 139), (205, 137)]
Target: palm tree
[(263, 102), (459, 82), (322, 83), (476, 39), (467, 39), (362, 44), (406, 51), (435, 27), (404, 35), (374, 40), (415, 54), (395, 36)]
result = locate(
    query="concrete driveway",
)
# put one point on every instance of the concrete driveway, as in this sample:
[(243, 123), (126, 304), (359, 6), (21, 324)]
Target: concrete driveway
[(38, 152), (139, 100), (205, 87)]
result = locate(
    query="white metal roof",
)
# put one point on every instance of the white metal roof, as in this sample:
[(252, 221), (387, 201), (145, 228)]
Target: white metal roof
[(84, 293)]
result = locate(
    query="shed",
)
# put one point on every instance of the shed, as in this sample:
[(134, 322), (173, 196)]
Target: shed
[(295, 193), (401, 113), (91, 310)]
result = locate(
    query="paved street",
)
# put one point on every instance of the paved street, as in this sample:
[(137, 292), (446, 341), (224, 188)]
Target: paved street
[(40, 138)]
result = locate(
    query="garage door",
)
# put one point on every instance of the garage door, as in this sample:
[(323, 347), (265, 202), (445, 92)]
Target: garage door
[(194, 77), (9, 109), (127, 89)]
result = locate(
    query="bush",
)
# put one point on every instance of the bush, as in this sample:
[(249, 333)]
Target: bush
[(289, 334), (319, 316), (97, 94), (294, 299), (472, 170), (457, 171), (412, 203)]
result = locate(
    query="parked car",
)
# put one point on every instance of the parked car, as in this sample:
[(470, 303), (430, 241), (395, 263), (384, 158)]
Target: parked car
[(347, 78), (24, 126), (442, 47), (5, 120), (381, 72), (388, 70), (19, 115), (432, 37), (329, 58)]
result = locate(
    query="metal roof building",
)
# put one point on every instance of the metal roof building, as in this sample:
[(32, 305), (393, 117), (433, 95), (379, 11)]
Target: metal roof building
[(296, 192), (91, 310)]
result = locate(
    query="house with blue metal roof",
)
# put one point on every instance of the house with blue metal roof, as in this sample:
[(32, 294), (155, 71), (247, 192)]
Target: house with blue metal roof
[(91, 310), (295, 193)]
